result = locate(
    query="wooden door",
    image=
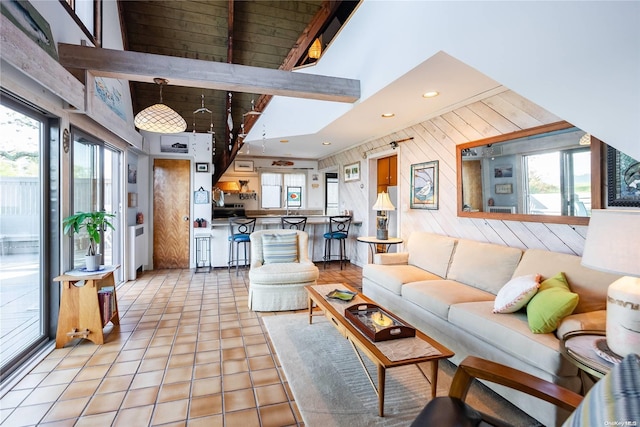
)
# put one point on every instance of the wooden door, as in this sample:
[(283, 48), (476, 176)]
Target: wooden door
[(171, 198), (472, 185)]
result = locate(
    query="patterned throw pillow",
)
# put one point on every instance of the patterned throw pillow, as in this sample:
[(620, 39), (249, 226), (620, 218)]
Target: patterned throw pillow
[(553, 302), (614, 400), (516, 293), (279, 248)]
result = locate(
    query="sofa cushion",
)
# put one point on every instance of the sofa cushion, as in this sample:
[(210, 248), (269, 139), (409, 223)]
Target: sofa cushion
[(392, 277), (431, 252), (279, 248), (510, 334), (483, 265), (516, 293), (436, 296), (553, 302), (590, 284)]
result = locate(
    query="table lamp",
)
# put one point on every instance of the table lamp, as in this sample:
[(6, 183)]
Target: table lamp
[(613, 245), (383, 205)]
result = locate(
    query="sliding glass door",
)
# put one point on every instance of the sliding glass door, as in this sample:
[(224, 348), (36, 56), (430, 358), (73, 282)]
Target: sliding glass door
[(96, 187), (24, 250)]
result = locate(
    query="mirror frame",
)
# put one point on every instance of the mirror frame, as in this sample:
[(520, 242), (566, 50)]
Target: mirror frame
[(597, 148)]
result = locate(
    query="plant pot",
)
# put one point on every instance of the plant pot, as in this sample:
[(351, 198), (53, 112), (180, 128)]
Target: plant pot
[(92, 262)]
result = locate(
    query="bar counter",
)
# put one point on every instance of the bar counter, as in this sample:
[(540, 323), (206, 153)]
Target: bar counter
[(317, 225)]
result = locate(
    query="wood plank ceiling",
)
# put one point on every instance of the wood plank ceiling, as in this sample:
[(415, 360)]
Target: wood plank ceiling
[(269, 34)]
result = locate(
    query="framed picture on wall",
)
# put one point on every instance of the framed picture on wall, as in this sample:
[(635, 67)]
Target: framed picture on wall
[(623, 179), (503, 171), (352, 172), (504, 188), (243, 166), (132, 174), (202, 167), (294, 197), (424, 185)]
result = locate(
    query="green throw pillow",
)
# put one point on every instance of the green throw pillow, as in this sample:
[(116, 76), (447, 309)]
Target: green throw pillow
[(553, 302), (278, 248)]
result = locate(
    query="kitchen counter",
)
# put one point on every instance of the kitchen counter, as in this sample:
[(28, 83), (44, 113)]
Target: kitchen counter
[(317, 225)]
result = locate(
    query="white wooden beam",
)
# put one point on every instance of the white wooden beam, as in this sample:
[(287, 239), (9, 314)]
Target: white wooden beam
[(143, 67), (21, 52)]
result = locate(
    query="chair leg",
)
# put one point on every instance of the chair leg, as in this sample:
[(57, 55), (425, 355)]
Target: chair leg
[(341, 243), (230, 256)]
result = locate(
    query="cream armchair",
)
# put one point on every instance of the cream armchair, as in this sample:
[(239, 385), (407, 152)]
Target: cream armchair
[(280, 269)]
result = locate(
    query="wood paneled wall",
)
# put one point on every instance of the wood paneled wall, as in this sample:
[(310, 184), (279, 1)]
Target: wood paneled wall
[(436, 139)]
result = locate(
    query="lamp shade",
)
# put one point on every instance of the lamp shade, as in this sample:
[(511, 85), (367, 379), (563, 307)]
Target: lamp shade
[(161, 119), (613, 242), (612, 246), (316, 49), (228, 186), (383, 203)]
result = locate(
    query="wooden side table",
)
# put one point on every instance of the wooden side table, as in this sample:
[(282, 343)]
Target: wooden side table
[(579, 348), (81, 314)]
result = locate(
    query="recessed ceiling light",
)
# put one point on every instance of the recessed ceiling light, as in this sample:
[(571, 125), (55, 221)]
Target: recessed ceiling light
[(326, 143), (430, 94), (388, 115), (284, 141)]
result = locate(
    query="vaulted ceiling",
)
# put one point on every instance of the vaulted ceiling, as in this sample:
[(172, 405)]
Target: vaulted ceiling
[(267, 34)]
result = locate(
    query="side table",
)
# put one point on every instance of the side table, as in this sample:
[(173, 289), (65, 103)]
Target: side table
[(378, 246), (579, 348), (83, 310)]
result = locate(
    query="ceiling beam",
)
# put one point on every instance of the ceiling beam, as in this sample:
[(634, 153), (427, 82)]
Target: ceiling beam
[(143, 67)]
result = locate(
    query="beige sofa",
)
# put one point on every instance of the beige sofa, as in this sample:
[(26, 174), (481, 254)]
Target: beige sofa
[(446, 288)]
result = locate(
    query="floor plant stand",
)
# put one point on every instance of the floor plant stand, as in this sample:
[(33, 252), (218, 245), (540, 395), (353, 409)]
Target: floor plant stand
[(88, 302)]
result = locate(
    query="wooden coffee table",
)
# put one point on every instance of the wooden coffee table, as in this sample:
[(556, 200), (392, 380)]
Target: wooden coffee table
[(403, 351)]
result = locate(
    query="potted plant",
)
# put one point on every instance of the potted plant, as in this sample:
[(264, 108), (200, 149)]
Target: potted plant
[(94, 223)]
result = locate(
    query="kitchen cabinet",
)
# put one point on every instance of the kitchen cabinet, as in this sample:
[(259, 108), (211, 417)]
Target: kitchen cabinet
[(387, 172)]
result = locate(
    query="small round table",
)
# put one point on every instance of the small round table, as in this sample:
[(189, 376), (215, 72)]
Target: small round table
[(579, 348), (379, 246)]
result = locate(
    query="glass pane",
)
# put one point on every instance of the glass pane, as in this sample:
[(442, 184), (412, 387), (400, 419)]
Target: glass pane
[(85, 191), (21, 309), (580, 190), (543, 177)]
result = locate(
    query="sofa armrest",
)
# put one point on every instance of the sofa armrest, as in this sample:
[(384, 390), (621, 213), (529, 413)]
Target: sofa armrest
[(391, 259), (590, 321)]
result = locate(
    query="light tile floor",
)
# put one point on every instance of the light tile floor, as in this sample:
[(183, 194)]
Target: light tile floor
[(188, 352)]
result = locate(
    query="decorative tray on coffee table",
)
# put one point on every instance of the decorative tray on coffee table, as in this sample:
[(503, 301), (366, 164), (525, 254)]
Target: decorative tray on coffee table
[(377, 324)]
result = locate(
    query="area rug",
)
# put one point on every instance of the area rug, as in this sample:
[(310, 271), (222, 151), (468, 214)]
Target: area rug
[(331, 389), (328, 382)]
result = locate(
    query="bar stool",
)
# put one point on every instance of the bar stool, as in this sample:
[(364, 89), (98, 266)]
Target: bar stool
[(293, 222), (338, 230), (240, 228)]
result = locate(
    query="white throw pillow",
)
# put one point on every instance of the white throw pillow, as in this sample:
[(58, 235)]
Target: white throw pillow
[(516, 293)]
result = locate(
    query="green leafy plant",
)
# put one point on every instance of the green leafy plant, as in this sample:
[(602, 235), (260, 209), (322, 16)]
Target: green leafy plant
[(93, 222)]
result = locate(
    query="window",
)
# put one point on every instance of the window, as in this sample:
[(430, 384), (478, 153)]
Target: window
[(272, 185), (558, 182), (87, 14), (96, 180)]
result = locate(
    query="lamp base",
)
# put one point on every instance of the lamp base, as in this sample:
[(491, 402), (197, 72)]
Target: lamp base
[(382, 234), (623, 316)]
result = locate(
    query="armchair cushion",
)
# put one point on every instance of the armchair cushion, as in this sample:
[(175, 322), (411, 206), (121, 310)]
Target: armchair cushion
[(280, 248)]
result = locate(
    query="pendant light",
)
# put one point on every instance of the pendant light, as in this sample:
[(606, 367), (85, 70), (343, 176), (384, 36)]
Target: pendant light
[(315, 50), (160, 118)]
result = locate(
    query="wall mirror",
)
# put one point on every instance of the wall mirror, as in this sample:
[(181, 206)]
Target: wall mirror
[(550, 173)]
